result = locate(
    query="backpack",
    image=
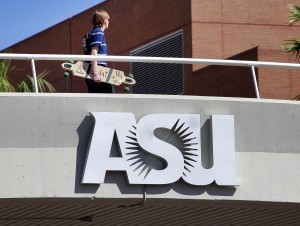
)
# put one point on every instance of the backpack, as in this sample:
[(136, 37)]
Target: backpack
[(86, 44)]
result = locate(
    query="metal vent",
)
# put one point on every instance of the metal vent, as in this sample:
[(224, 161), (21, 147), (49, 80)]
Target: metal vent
[(156, 78)]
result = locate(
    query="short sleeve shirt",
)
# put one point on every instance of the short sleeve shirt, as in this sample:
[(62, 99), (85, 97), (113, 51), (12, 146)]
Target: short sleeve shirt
[(97, 39)]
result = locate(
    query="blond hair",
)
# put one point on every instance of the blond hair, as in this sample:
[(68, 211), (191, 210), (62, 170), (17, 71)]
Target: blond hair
[(99, 18)]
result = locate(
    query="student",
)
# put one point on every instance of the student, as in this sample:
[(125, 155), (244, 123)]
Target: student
[(97, 46)]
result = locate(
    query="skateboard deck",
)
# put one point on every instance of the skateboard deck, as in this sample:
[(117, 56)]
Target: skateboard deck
[(108, 75)]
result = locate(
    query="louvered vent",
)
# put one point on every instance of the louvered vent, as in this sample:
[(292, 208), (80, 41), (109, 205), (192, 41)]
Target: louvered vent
[(156, 78)]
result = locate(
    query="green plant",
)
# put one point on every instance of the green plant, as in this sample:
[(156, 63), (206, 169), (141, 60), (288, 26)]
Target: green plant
[(294, 14), (293, 45), (27, 85), (5, 84)]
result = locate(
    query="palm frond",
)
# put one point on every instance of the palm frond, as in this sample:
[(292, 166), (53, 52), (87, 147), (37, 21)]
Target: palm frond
[(27, 85), (293, 46), (294, 14), (5, 84)]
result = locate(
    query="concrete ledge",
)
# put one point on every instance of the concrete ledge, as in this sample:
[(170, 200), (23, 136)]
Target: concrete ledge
[(56, 173), (44, 137)]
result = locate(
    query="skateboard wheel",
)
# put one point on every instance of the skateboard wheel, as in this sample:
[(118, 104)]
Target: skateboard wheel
[(130, 75), (66, 74), (71, 61), (126, 89)]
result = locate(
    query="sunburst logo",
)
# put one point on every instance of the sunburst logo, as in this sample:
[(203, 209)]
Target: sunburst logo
[(179, 136)]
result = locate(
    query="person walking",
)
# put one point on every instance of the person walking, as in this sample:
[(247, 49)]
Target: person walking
[(97, 46)]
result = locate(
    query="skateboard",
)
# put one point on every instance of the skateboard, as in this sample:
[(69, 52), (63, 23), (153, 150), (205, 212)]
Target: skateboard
[(108, 75)]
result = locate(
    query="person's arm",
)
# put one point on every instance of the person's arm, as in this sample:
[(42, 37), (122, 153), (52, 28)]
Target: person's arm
[(96, 75)]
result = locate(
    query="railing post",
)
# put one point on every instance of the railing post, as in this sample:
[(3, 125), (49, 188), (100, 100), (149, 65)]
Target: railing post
[(34, 76), (255, 82)]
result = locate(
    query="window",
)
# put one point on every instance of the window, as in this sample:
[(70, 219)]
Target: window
[(159, 78)]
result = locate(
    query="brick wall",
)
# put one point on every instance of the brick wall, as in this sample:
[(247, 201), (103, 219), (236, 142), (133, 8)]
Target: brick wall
[(226, 81), (133, 23), (221, 29), (215, 29)]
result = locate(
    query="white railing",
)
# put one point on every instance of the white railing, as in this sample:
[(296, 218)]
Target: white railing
[(169, 60)]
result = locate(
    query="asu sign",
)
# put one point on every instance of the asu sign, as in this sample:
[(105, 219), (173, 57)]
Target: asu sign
[(160, 149)]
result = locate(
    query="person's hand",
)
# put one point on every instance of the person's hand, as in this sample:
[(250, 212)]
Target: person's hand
[(97, 77)]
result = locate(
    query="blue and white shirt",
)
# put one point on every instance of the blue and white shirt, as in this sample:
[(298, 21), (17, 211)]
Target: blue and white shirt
[(97, 39)]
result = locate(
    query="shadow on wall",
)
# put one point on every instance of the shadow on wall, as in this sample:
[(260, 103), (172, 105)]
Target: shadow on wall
[(226, 81), (84, 132)]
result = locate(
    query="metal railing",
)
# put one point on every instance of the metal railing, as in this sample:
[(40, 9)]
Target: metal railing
[(169, 60)]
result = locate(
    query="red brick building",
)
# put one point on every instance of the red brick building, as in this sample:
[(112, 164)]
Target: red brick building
[(216, 29)]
